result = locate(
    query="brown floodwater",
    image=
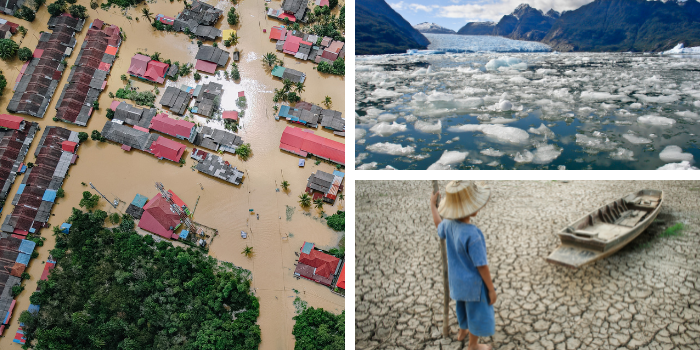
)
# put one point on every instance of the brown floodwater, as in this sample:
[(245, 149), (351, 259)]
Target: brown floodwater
[(219, 205)]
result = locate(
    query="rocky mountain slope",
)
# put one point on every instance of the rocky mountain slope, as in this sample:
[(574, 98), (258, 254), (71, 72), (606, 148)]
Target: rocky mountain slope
[(380, 30)]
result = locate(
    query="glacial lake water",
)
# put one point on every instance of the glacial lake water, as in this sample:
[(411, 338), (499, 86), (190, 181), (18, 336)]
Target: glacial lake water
[(495, 110)]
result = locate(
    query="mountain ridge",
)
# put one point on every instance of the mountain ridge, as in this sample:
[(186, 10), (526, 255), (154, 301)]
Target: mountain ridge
[(380, 30)]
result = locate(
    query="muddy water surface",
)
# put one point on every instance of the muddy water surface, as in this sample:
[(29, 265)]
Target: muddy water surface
[(218, 204)]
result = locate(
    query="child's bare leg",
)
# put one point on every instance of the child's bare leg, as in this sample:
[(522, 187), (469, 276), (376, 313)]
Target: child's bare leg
[(474, 343), (463, 333)]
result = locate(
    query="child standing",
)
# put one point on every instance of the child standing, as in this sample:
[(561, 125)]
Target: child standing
[(468, 271)]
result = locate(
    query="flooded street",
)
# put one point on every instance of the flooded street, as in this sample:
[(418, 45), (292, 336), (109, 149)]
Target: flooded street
[(219, 205), (644, 296)]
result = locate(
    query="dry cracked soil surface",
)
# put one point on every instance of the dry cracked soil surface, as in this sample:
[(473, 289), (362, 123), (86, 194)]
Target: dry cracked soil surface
[(646, 296)]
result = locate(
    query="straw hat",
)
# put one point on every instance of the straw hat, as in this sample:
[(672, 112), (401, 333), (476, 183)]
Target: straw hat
[(463, 198)]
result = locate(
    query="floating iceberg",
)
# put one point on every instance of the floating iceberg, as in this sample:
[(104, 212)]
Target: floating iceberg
[(655, 120), (506, 62), (427, 127), (674, 153), (498, 132), (684, 165), (368, 166), (448, 159), (386, 129), (680, 49), (390, 148)]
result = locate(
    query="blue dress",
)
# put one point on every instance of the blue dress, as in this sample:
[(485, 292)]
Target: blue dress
[(466, 250)]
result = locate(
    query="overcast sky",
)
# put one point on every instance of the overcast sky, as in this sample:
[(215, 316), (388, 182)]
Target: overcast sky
[(454, 14)]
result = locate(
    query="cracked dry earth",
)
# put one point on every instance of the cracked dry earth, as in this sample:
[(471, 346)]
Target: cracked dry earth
[(646, 296)]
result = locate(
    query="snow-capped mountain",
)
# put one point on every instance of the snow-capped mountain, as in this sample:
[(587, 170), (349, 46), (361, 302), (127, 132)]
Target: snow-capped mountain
[(426, 27)]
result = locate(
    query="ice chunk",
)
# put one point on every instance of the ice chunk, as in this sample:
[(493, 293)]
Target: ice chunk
[(519, 80), (545, 154), (600, 96), (696, 104), (637, 140), (674, 153), (491, 152), (688, 114), (657, 99), (505, 105), (542, 130), (368, 166), (655, 120), (360, 158), (684, 165), (448, 160), (386, 129), (498, 132), (410, 118), (681, 50), (390, 148), (387, 117), (636, 105), (428, 127), (360, 133), (525, 157), (507, 62), (622, 154), (419, 97), (595, 144), (440, 96), (501, 120), (495, 163), (388, 167), (384, 93)]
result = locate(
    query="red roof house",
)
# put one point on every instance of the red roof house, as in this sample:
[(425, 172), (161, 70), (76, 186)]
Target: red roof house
[(69, 146), (205, 66), (291, 17), (139, 64), (166, 148), (291, 45), (301, 142), (158, 218), (181, 129), (11, 121), (278, 33), (156, 71), (317, 266), (341, 279), (232, 115)]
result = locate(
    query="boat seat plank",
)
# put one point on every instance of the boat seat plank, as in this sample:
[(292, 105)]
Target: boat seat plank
[(585, 233), (632, 219), (607, 231)]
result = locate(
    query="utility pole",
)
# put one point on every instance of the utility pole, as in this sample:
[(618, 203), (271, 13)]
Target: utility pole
[(103, 196), (445, 281)]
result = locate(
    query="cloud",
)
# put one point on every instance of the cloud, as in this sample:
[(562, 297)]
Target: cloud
[(493, 11), (412, 6)]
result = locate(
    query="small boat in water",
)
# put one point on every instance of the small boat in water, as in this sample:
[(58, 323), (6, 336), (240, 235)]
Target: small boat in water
[(607, 229)]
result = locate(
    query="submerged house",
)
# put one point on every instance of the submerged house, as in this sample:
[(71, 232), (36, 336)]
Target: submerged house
[(39, 77), (324, 185), (176, 99), (7, 28), (165, 148), (178, 128), (16, 136), (288, 73), (144, 68), (316, 265), (311, 115), (159, 218), (129, 137), (9, 7), (217, 139), (214, 165), (37, 193), (15, 254), (207, 98), (303, 142), (295, 8), (88, 76), (209, 58), (132, 115), (199, 20)]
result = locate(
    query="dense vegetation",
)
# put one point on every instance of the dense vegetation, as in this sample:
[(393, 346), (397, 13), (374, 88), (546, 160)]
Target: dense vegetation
[(25, 13), (8, 49), (319, 329), (115, 289), (337, 68), (142, 98), (380, 30), (337, 221)]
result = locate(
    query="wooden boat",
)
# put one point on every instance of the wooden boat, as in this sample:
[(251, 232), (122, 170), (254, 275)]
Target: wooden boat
[(607, 229)]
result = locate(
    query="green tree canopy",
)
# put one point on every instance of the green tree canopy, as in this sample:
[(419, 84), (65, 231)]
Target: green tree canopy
[(319, 329), (114, 289)]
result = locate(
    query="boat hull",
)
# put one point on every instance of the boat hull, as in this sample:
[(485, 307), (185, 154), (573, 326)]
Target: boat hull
[(575, 252)]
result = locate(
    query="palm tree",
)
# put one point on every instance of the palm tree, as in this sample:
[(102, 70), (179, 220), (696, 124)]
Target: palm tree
[(155, 56), (269, 59), (247, 251), (299, 88), (341, 197), (287, 85), (318, 203), (145, 13), (233, 39), (327, 102), (285, 185), (304, 200)]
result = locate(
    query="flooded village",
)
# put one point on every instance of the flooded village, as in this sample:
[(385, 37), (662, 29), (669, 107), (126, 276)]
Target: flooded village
[(192, 127)]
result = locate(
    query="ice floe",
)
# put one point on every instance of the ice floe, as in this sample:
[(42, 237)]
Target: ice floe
[(360, 133), (428, 127), (448, 160), (655, 120), (680, 49), (497, 132), (491, 152), (684, 165), (637, 140), (674, 153), (386, 129), (506, 62), (367, 166), (390, 148)]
